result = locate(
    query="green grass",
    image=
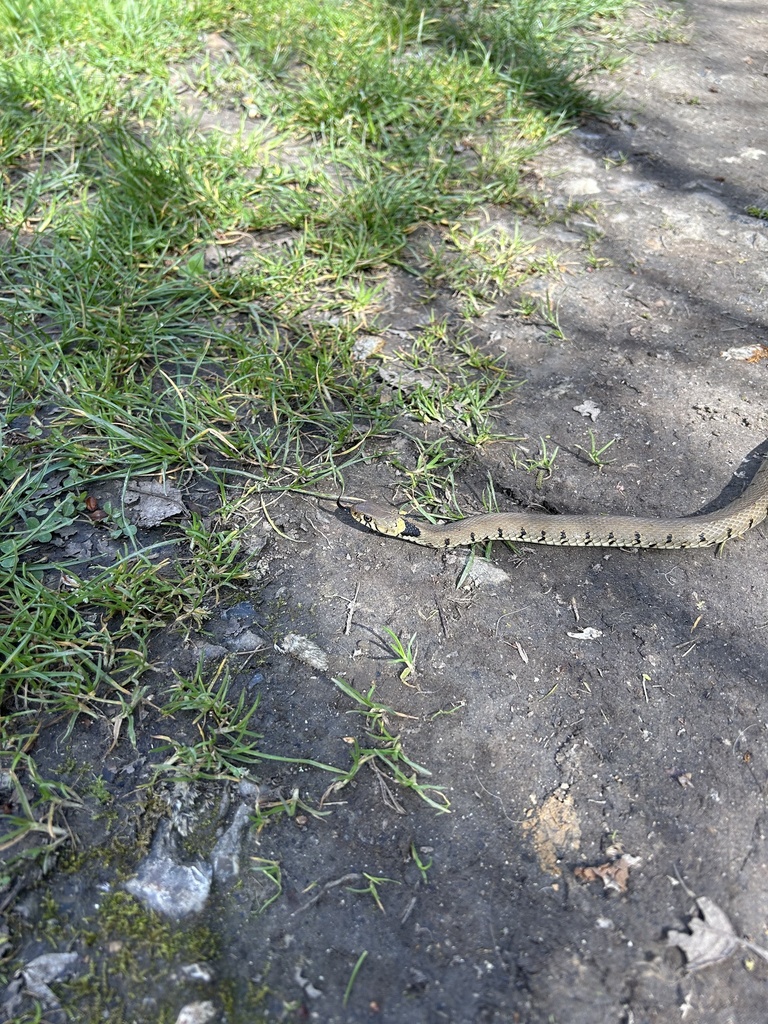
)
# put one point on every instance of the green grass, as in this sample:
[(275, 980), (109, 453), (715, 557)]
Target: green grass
[(387, 751), (331, 141)]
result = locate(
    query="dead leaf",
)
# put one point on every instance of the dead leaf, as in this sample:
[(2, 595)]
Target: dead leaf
[(588, 409), (304, 650), (403, 378), (196, 1013), (711, 941), (587, 633), (152, 503), (366, 345), (613, 875), (46, 968), (216, 43), (746, 353)]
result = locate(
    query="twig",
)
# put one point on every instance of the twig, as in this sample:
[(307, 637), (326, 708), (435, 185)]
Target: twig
[(353, 877), (351, 609)]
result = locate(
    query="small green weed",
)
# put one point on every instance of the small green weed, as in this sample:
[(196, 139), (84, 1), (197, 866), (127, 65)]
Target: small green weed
[(541, 464), (267, 810), (463, 388), (549, 311), (374, 882), (270, 870), (403, 654), (595, 453), (29, 817), (227, 748), (423, 868), (477, 265), (431, 479)]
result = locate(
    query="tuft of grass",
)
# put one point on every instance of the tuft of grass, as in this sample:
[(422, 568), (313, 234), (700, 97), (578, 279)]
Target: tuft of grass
[(387, 752), (477, 265), (594, 453), (454, 384), (225, 747), (430, 481), (403, 654), (372, 888)]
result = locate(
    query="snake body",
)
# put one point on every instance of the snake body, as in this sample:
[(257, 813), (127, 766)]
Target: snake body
[(588, 530)]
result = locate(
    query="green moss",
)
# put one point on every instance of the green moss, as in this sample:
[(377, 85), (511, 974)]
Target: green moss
[(121, 919), (132, 951)]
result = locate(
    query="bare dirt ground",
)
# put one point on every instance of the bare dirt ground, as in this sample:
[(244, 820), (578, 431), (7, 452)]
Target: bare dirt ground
[(603, 703)]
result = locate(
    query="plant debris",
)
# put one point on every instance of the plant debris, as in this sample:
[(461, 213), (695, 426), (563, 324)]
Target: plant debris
[(588, 409), (614, 874), (152, 503), (33, 980), (711, 940), (304, 650)]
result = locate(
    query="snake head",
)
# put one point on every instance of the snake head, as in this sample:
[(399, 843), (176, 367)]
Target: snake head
[(375, 516)]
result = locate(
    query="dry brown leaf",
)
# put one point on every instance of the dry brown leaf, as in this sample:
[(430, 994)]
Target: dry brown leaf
[(613, 875), (746, 353)]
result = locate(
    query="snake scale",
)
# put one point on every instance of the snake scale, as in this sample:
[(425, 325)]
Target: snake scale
[(588, 530)]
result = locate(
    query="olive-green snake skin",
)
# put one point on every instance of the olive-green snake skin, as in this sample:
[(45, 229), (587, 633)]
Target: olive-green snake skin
[(589, 530)]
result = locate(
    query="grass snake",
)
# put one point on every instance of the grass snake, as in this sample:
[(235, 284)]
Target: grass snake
[(579, 530)]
